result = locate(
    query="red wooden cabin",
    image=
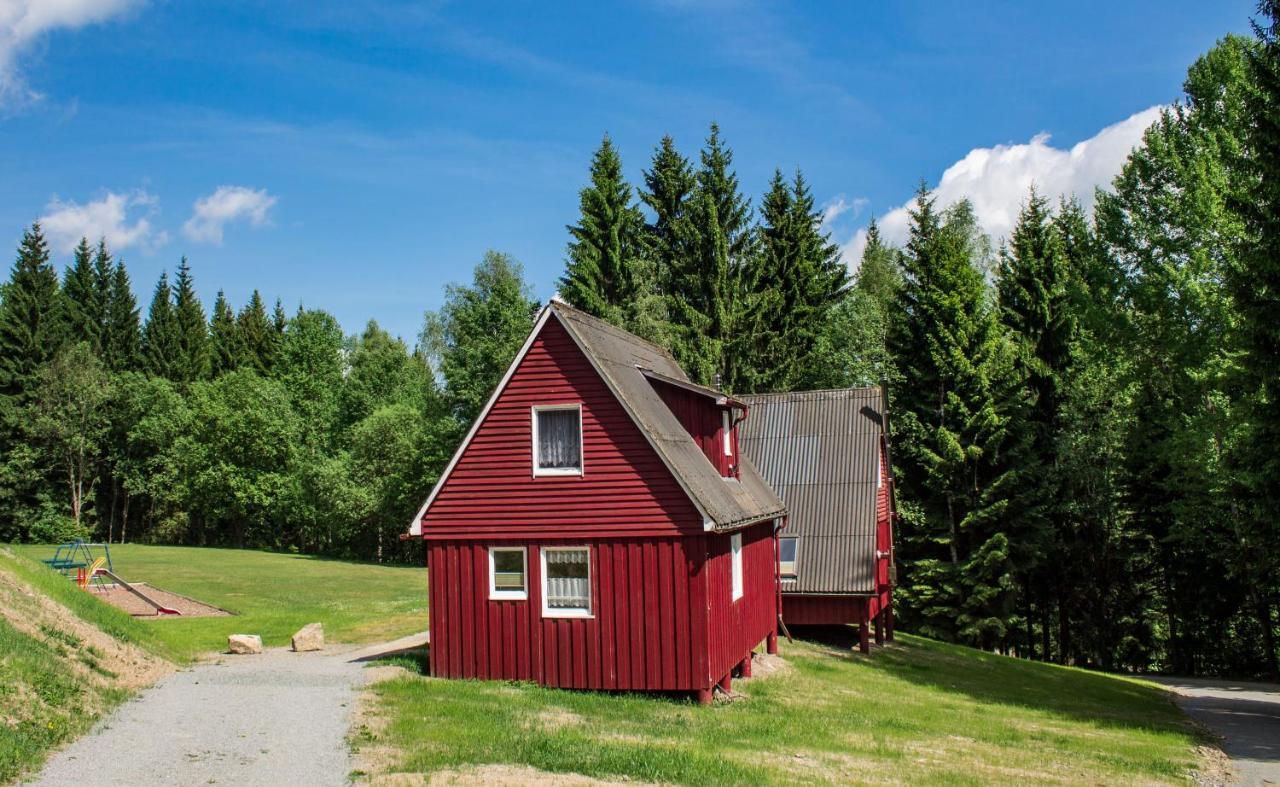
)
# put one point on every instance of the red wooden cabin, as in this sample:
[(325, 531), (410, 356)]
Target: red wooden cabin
[(597, 528), (827, 455)]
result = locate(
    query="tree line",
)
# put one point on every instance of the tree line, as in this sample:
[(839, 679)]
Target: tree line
[(1084, 416)]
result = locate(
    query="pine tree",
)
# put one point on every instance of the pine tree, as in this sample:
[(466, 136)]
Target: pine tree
[(161, 344), (224, 337), (84, 299), (32, 323), (257, 342), (192, 331), (606, 242), (958, 581), (122, 340)]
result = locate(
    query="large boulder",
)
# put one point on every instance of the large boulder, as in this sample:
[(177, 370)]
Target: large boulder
[(244, 644), (309, 637)]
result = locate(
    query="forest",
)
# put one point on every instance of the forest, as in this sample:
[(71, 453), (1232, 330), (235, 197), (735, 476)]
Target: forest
[(1085, 415)]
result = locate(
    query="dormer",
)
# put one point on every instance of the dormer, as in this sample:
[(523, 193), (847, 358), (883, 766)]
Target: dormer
[(710, 417)]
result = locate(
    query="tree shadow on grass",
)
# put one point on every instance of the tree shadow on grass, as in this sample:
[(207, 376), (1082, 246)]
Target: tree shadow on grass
[(1081, 695)]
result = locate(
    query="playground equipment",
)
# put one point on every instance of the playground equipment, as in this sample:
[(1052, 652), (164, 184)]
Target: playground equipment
[(90, 569)]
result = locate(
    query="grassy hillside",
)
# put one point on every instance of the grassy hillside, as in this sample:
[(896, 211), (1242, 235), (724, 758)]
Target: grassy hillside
[(64, 660), (915, 712), (271, 594)]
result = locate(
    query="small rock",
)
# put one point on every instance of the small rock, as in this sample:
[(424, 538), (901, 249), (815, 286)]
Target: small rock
[(244, 644), (309, 637)]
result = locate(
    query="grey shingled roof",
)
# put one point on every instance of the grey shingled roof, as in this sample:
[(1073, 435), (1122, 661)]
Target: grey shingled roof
[(622, 359), (820, 450)]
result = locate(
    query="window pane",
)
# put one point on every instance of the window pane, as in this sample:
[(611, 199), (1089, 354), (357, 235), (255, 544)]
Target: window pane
[(508, 570), (787, 550), (568, 583), (559, 445)]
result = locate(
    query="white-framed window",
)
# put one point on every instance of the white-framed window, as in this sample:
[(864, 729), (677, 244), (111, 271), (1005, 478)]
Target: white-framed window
[(787, 557), (727, 430), (735, 553), (508, 574), (557, 439), (566, 582)]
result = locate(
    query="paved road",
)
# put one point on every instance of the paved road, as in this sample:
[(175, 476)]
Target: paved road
[(277, 718), (1246, 715)]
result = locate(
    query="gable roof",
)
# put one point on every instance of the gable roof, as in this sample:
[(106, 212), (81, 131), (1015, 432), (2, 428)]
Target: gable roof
[(624, 361), (821, 451)]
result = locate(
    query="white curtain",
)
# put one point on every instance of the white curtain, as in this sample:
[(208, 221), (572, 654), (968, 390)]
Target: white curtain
[(568, 579), (558, 442)]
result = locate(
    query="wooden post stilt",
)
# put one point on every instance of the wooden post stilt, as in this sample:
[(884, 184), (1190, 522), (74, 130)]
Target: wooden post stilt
[(880, 628), (888, 622), (771, 644), (744, 668), (704, 696), (864, 633), (726, 682)]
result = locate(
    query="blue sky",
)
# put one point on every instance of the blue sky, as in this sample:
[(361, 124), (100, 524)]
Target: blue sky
[(357, 157)]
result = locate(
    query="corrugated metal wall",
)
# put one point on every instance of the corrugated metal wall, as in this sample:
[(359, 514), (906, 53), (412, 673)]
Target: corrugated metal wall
[(625, 487)]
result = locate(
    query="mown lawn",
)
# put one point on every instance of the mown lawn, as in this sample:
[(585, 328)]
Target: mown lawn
[(917, 712), (271, 594)]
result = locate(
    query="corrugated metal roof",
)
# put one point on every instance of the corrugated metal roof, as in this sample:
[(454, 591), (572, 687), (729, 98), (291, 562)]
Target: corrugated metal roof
[(623, 359), (820, 451)]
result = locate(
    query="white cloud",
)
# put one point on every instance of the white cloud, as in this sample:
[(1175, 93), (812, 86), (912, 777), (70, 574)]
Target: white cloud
[(227, 204), (24, 22), (996, 179), (839, 205), (66, 222)]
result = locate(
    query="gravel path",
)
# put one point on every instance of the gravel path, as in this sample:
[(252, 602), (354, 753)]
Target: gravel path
[(1246, 715), (278, 718)]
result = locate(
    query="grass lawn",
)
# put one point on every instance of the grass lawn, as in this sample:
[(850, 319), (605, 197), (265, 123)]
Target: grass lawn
[(917, 711), (272, 595)]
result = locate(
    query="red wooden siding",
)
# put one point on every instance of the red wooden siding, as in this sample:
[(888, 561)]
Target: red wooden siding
[(625, 488), (821, 610), (648, 630), (738, 626), (884, 530), (701, 418)]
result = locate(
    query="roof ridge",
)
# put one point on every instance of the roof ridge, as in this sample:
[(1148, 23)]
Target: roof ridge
[(815, 392)]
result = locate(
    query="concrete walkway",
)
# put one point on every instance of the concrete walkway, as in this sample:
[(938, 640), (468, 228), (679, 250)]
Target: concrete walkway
[(1246, 716), (278, 718)]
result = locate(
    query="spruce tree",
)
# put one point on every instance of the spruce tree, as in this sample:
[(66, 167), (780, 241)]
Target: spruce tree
[(192, 331), (122, 340), (32, 323), (668, 186), (224, 337), (606, 242), (880, 270), (257, 336), (788, 290), (958, 581), (84, 299), (161, 343)]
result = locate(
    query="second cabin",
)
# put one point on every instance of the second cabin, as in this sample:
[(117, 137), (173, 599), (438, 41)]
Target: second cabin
[(598, 527)]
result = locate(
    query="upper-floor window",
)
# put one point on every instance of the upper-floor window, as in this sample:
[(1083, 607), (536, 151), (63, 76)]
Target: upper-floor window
[(735, 551), (787, 557), (557, 439), (727, 430)]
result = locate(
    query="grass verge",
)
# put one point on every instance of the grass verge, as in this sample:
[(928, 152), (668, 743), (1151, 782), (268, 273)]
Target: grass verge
[(918, 712)]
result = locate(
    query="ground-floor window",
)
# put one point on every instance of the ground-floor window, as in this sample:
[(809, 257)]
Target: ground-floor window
[(507, 574), (566, 582)]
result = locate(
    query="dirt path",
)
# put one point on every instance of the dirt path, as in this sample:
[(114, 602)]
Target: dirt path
[(278, 718), (1246, 715)]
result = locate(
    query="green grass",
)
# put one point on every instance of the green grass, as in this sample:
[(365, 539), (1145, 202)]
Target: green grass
[(271, 594), (919, 712)]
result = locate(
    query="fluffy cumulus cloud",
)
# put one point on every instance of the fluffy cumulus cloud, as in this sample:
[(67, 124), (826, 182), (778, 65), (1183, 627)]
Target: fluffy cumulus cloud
[(124, 220), (996, 179), (225, 205), (24, 22)]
